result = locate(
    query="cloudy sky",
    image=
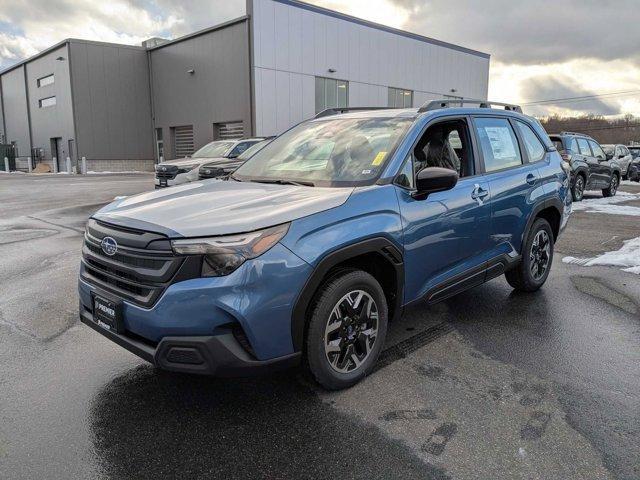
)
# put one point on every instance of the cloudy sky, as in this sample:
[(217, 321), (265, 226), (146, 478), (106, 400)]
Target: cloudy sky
[(540, 49)]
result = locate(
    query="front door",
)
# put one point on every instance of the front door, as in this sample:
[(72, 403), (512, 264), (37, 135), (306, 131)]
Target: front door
[(594, 179), (446, 235), (603, 168)]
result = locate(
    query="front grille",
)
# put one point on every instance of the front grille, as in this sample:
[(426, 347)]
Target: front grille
[(169, 172), (142, 268)]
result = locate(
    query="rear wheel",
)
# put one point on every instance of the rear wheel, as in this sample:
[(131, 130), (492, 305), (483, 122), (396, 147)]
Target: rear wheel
[(577, 192), (537, 256), (613, 187), (347, 329)]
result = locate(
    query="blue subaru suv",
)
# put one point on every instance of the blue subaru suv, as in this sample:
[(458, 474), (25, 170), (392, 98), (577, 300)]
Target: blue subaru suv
[(321, 239)]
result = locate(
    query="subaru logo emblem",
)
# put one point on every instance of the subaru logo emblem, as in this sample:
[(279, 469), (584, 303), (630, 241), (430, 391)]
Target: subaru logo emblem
[(207, 172), (164, 169), (109, 246)]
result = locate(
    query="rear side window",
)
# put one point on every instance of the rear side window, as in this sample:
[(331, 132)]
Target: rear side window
[(535, 149), (597, 150), (499, 144), (584, 147)]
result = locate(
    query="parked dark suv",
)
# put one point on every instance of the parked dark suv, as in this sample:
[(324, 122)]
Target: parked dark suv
[(591, 167), (634, 168)]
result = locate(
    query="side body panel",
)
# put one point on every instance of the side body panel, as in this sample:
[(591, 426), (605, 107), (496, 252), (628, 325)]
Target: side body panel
[(445, 235)]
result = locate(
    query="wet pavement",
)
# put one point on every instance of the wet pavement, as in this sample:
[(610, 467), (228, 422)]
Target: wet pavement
[(489, 384)]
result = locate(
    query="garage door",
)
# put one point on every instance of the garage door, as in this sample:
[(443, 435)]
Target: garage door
[(226, 131), (183, 141)]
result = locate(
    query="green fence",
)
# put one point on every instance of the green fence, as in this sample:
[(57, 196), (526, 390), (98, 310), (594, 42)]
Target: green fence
[(9, 152)]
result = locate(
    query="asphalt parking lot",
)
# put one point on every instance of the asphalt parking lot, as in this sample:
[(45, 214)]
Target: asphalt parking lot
[(489, 384)]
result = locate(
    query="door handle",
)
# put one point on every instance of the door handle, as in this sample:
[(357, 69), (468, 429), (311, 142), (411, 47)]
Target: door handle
[(531, 179), (479, 193)]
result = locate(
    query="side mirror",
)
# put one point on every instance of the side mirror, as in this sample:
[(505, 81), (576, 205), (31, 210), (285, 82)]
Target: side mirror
[(435, 179), (609, 156), (620, 156)]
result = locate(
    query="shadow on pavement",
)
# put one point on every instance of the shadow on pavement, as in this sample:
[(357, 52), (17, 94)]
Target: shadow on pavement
[(151, 424)]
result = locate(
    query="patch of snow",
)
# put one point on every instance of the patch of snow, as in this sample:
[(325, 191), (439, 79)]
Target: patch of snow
[(609, 204), (628, 257)]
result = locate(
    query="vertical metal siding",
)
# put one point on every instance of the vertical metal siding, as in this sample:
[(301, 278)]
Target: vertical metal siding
[(218, 91), (112, 108), (15, 109), (292, 45)]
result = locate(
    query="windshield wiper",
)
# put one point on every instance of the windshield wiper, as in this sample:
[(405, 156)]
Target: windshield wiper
[(286, 182)]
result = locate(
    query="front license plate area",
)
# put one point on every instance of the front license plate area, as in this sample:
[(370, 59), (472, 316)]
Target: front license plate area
[(108, 314), (163, 182)]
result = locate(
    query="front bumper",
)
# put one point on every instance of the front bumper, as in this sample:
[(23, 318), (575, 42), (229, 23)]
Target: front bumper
[(257, 298), (179, 179), (219, 355)]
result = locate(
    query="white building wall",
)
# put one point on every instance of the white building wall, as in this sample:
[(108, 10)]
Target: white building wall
[(293, 44)]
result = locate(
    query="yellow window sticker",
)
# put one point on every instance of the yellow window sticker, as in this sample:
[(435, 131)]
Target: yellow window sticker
[(379, 158)]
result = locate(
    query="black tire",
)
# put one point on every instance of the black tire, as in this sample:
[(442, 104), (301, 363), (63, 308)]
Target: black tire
[(577, 191), (611, 190), (522, 277), (334, 374)]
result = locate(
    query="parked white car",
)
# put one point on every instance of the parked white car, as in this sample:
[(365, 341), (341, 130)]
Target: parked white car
[(621, 155), (185, 170)]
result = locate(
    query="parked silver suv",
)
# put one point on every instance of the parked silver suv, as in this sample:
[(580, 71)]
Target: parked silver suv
[(621, 155)]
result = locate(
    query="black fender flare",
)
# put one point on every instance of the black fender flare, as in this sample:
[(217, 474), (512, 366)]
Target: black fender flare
[(389, 250), (584, 170), (554, 202)]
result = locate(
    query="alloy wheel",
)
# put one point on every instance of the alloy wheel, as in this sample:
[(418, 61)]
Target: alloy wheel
[(540, 255), (579, 188), (614, 185), (351, 331)]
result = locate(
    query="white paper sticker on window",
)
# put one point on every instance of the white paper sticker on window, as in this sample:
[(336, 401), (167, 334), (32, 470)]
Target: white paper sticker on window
[(501, 142)]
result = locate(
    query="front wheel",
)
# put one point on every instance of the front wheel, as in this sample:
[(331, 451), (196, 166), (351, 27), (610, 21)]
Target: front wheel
[(537, 256), (613, 187), (347, 329)]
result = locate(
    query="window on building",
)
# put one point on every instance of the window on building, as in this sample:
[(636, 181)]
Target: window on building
[(47, 102), (399, 98), (499, 144), (48, 80), (533, 146), (331, 93)]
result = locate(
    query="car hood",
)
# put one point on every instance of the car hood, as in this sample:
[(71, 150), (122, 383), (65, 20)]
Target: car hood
[(188, 161), (224, 163), (217, 207)]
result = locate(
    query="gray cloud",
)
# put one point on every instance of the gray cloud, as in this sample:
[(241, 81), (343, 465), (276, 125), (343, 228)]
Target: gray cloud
[(536, 31), (549, 87)]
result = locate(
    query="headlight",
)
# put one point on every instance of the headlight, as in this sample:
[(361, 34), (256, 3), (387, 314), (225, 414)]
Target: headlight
[(186, 168), (224, 254)]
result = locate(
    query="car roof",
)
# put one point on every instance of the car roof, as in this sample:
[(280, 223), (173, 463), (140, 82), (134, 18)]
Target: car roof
[(414, 113)]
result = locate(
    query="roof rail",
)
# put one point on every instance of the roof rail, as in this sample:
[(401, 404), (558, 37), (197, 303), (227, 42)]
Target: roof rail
[(574, 133), (336, 110), (459, 102)]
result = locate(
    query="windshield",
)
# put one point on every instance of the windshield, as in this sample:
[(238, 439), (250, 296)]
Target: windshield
[(213, 149), (635, 151), (253, 149), (608, 149), (338, 152)]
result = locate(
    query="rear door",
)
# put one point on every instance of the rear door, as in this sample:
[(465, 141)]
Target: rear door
[(514, 182)]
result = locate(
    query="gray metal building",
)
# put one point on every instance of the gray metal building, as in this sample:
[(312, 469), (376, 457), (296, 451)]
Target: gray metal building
[(125, 107)]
